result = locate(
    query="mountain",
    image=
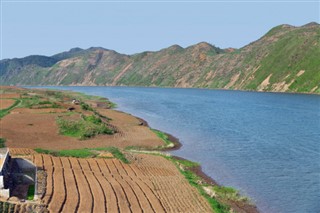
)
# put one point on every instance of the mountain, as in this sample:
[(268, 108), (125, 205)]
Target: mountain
[(285, 59)]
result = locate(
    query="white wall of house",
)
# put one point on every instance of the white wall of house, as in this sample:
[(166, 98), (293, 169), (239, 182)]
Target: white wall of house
[(1, 182), (5, 193)]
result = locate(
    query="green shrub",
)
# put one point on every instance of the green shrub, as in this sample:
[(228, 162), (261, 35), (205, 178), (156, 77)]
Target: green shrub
[(44, 102), (85, 106), (2, 142), (93, 119), (88, 127)]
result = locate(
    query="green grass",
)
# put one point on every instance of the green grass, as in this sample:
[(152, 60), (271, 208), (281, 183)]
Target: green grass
[(2, 142), (164, 138), (35, 102), (30, 195), (186, 163), (93, 119), (4, 112), (87, 127), (229, 193), (85, 106), (112, 105), (85, 153)]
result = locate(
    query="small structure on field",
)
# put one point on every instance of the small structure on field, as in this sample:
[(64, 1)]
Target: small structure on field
[(75, 101), (4, 172)]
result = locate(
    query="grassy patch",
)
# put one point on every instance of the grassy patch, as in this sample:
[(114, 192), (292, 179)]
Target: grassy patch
[(85, 106), (93, 119), (185, 163), (85, 153), (30, 195), (4, 112), (37, 103), (2, 142), (87, 127), (112, 105), (164, 137), (229, 193)]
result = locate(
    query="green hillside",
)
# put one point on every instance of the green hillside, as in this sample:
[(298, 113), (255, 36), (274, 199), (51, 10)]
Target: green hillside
[(285, 59)]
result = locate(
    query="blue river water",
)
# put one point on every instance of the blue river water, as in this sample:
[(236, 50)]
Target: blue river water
[(267, 145)]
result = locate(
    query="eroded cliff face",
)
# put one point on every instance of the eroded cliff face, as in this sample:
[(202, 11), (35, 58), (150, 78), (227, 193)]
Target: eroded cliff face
[(286, 59)]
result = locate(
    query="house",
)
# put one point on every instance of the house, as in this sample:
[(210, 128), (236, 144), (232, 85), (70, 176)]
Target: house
[(4, 169)]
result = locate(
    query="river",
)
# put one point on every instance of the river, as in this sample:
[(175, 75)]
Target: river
[(267, 145)]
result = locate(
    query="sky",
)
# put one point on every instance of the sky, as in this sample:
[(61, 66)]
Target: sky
[(35, 27)]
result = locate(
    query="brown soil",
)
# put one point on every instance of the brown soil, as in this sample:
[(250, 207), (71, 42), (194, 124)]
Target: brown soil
[(10, 95), (37, 128), (148, 184), (6, 103)]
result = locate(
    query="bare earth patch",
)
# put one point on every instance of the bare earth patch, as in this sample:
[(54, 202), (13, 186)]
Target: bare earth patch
[(36, 128), (233, 80), (264, 83), (6, 103), (300, 73), (10, 95)]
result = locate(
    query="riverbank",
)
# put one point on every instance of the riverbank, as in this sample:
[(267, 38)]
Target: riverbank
[(129, 131), (197, 171), (173, 143)]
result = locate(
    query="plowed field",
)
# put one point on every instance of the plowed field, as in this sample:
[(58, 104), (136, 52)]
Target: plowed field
[(149, 184)]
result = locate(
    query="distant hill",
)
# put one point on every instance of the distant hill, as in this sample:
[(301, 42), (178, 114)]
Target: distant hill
[(285, 59)]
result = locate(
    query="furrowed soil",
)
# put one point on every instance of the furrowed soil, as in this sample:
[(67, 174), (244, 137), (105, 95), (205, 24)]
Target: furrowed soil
[(148, 184)]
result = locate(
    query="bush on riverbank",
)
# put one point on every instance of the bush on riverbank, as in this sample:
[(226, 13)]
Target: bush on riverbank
[(87, 127)]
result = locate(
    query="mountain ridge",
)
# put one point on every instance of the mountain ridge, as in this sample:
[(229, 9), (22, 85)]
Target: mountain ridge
[(285, 59)]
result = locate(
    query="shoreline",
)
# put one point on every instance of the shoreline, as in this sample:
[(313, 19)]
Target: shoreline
[(239, 206), (201, 88), (197, 170)]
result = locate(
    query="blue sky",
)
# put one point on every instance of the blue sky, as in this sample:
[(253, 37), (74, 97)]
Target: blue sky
[(49, 27)]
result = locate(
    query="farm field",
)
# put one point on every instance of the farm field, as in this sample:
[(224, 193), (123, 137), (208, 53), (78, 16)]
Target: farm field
[(91, 158), (5, 103), (26, 128), (147, 184)]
